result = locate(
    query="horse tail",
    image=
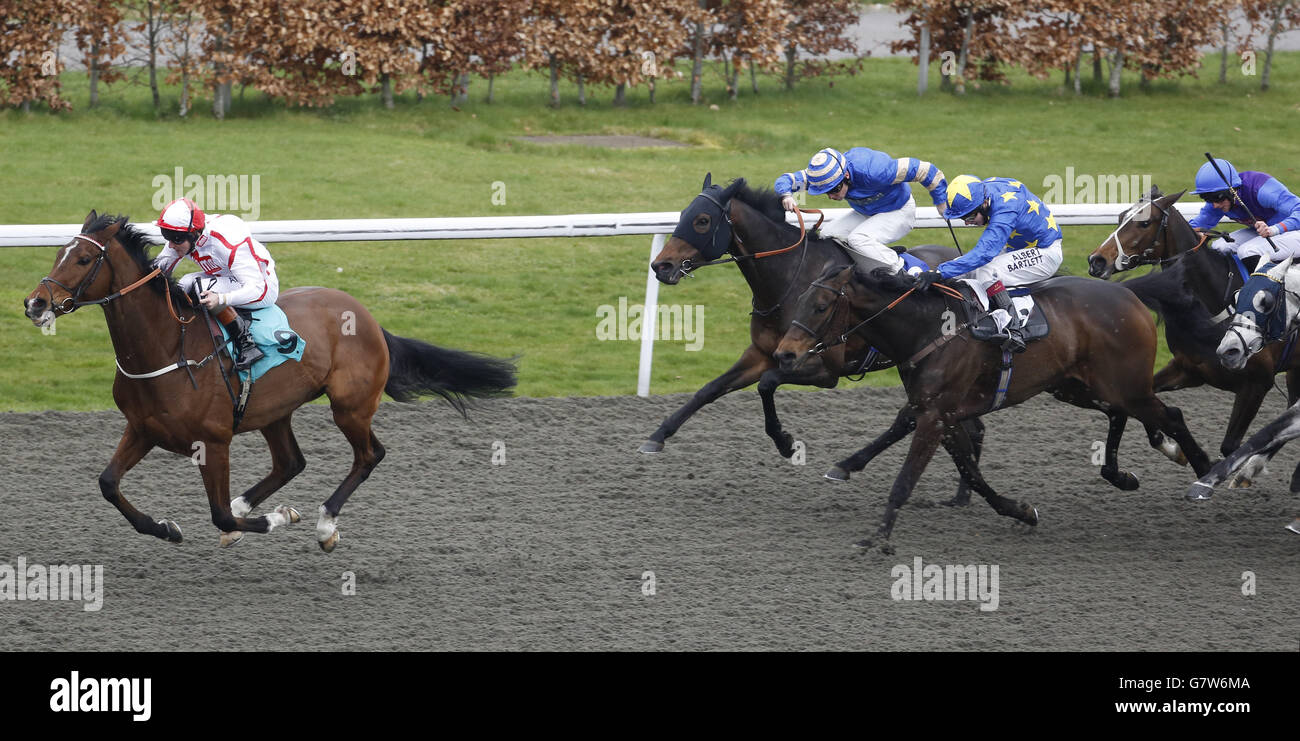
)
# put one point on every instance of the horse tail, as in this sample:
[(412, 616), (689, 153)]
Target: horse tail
[(417, 369)]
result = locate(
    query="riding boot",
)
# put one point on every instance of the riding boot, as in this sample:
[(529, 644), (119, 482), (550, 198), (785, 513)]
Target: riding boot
[(1015, 341), (239, 327)]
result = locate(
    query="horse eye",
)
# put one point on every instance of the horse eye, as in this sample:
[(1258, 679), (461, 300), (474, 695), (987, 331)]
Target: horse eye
[(1144, 224), (701, 223), (84, 261), (821, 308)]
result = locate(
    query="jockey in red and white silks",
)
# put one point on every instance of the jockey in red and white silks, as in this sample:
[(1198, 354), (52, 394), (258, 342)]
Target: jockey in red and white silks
[(236, 271)]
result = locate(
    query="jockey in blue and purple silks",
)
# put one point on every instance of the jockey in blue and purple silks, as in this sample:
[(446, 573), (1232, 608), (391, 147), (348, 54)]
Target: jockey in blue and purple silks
[(1021, 244), (875, 185), (1276, 211)]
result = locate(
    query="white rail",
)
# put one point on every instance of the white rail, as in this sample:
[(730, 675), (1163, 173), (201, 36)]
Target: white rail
[(658, 224)]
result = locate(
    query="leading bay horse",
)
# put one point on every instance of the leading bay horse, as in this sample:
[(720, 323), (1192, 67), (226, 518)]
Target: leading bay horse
[(185, 409), (1193, 294), (1099, 355), (777, 260)]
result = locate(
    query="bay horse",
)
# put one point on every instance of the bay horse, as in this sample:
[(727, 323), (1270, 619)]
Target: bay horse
[(774, 257), (1097, 359), (1193, 294), (184, 409)]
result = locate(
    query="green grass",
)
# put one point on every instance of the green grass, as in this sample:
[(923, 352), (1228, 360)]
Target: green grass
[(539, 298)]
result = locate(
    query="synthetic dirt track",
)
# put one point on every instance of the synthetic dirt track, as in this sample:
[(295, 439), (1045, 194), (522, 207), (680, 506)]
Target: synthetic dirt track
[(548, 549)]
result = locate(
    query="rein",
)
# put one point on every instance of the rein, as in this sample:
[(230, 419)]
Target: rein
[(843, 338)]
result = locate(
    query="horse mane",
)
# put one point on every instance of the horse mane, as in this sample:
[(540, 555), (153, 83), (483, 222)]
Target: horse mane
[(136, 243), (768, 203)]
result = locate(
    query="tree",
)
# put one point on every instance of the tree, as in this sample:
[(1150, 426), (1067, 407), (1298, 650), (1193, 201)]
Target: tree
[(98, 40), (751, 33), (1273, 17), (817, 27), (29, 59)]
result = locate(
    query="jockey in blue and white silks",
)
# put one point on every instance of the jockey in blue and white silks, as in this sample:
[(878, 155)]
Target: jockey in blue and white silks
[(875, 185), (1276, 211), (1021, 243)]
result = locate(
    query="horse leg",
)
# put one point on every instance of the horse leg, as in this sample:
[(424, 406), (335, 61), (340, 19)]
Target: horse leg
[(367, 452), (961, 446), (1154, 414), (1267, 441), (767, 384), (903, 424), (1245, 406), (929, 430), (1293, 394), (747, 370), (131, 449), (974, 429), (287, 461), (216, 480), (1110, 470)]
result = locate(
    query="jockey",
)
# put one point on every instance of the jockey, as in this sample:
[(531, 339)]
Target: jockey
[(875, 185), (236, 270), (1020, 244), (1276, 212)]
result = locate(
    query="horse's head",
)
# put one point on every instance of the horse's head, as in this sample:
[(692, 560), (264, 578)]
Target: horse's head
[(820, 311), (703, 232), (1265, 310), (1142, 237), (78, 273)]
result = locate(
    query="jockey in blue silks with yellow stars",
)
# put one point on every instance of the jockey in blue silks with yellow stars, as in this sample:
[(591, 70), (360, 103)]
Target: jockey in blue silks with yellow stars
[(875, 185), (1020, 244)]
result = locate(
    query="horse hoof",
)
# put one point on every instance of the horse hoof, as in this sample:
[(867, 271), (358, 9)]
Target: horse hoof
[(957, 501), (1032, 519), (836, 474), (173, 531), (231, 538), (290, 514), (1199, 492), (1240, 482), (1125, 481), (328, 544), (1294, 526), (652, 446)]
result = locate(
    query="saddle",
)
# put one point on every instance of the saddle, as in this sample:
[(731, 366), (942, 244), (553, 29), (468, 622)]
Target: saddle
[(984, 327)]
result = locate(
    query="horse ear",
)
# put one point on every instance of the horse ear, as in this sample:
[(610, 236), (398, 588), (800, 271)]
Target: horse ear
[(732, 187), (1155, 192), (1173, 197), (112, 229), (90, 219), (708, 180)]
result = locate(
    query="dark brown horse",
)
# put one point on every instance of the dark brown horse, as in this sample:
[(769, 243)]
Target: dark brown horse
[(1099, 358), (1193, 294), (750, 226), (188, 410)]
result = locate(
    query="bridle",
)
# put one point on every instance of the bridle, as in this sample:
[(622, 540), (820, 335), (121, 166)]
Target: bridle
[(74, 302), (687, 265), (822, 346)]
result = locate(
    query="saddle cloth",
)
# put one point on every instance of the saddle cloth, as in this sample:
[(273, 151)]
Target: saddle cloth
[(279, 343), (1034, 324)]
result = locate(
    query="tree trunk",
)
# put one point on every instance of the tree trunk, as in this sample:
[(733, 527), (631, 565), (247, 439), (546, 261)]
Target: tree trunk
[(923, 61), (652, 91), (1078, 70), (790, 51), (731, 74), (94, 74), (697, 67), (460, 89), (620, 94), (1096, 63), (1117, 66), (753, 76), (1223, 59), (26, 106), (582, 91), (386, 90), (961, 56), (491, 79), (555, 81), (185, 92), (1268, 54)]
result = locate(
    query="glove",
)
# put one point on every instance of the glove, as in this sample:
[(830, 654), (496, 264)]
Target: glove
[(789, 203), (926, 279)]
